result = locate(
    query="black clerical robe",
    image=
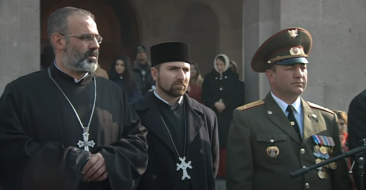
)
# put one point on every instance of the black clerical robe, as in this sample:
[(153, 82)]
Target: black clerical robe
[(202, 147), (39, 132)]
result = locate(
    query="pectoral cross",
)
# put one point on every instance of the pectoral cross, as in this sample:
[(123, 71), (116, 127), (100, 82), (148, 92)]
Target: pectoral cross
[(86, 143), (184, 166)]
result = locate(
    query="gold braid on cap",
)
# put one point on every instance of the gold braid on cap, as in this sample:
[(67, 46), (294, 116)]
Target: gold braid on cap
[(295, 52), (279, 58)]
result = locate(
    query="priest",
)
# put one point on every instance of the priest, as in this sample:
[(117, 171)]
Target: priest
[(64, 128), (183, 140)]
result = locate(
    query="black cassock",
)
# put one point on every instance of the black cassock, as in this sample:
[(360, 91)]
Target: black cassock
[(39, 132), (202, 146)]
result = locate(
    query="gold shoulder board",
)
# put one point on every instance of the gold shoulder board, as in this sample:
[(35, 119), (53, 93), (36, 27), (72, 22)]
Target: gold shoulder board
[(316, 106), (250, 105)]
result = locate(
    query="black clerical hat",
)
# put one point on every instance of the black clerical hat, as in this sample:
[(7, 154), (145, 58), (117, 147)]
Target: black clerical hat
[(168, 52), (286, 47)]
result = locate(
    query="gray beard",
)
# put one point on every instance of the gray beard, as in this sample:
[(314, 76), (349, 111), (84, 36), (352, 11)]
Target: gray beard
[(78, 62)]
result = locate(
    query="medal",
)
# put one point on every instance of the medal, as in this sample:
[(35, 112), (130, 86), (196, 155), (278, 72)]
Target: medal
[(316, 149), (321, 174), (323, 150), (273, 151), (330, 150), (333, 165), (325, 175), (318, 160)]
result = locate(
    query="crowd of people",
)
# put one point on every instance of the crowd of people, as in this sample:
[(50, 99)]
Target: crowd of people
[(162, 125)]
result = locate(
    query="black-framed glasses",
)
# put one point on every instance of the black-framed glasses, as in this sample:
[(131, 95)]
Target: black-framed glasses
[(87, 37)]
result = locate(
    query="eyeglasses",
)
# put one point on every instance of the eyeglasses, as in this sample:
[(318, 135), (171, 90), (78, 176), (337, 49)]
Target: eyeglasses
[(87, 37)]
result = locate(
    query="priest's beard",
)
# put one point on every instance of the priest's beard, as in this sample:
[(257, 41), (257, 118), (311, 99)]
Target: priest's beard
[(78, 61), (175, 89)]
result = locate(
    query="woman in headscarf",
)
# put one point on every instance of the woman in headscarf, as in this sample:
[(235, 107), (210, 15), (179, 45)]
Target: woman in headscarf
[(220, 93)]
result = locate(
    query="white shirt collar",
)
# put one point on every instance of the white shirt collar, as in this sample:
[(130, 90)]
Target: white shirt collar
[(171, 107), (75, 80), (283, 105)]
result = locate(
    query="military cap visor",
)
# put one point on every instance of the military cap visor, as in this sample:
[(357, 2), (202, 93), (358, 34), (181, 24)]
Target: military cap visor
[(286, 47), (293, 61)]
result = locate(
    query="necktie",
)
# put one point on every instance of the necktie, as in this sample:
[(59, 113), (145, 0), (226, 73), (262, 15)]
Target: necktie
[(292, 119)]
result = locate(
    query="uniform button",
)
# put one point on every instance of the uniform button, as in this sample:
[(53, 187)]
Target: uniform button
[(307, 185), (271, 140), (202, 152), (153, 177), (303, 166), (221, 88), (302, 151)]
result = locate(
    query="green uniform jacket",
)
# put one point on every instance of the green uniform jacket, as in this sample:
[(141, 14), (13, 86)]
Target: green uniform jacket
[(262, 124)]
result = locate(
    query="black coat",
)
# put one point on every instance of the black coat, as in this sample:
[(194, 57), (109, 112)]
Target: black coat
[(226, 89), (202, 148), (357, 128), (143, 83)]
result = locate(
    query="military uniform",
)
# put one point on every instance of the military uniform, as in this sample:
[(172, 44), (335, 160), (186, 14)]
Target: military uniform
[(263, 148)]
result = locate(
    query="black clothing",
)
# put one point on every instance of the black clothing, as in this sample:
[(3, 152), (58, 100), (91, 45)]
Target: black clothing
[(357, 129), (225, 88), (202, 147), (39, 133), (143, 78), (132, 92)]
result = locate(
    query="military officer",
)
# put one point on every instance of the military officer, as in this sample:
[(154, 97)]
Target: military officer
[(270, 138)]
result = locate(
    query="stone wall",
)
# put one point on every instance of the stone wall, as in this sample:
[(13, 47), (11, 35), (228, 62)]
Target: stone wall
[(19, 39), (337, 69)]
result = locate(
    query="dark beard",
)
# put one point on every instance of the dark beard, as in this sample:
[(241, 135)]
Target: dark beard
[(171, 91)]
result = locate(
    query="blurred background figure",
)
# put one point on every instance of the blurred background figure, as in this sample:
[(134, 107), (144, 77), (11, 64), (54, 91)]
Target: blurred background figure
[(141, 69), (47, 57), (342, 126), (343, 136), (101, 72), (234, 67), (221, 93), (121, 73), (195, 84)]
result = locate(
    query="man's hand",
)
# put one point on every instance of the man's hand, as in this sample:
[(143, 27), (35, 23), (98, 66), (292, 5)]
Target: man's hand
[(220, 106), (95, 169)]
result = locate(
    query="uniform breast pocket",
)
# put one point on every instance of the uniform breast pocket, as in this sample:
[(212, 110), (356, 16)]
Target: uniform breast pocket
[(270, 147)]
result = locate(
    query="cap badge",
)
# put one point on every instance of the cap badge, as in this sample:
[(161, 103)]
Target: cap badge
[(293, 33), (297, 51)]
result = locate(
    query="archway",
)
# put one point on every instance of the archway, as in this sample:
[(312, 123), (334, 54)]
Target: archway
[(115, 20), (200, 28)]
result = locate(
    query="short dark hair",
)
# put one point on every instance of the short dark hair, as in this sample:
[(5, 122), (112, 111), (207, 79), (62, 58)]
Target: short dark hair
[(272, 67), (57, 23), (157, 67)]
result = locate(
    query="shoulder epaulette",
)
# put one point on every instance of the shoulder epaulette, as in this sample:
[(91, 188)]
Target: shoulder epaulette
[(316, 106), (250, 105)]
